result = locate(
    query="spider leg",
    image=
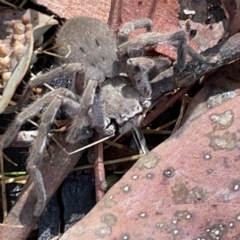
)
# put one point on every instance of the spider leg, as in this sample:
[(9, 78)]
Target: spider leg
[(29, 112), (80, 120), (138, 70), (124, 32), (58, 99), (98, 110), (36, 153), (39, 144), (135, 47), (99, 120), (141, 69), (59, 72)]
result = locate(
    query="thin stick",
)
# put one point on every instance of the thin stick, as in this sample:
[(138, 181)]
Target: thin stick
[(11, 225), (110, 162), (96, 157), (9, 160), (8, 180), (163, 106), (181, 114), (54, 54), (4, 197), (78, 150), (90, 145), (9, 4), (154, 131)]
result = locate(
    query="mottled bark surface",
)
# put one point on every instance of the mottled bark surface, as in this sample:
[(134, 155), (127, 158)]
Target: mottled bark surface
[(186, 188)]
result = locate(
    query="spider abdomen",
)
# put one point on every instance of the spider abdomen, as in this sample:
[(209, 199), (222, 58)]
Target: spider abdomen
[(91, 42)]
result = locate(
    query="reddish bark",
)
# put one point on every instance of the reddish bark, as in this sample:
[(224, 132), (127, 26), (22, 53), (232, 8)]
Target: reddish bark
[(186, 188), (164, 15), (232, 11), (95, 157), (72, 8)]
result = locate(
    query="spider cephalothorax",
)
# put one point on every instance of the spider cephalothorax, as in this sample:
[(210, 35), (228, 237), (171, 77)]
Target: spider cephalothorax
[(110, 85)]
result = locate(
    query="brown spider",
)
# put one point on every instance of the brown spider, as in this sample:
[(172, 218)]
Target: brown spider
[(101, 96)]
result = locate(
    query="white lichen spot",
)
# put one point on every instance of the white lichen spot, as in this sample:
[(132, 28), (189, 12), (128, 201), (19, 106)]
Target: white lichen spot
[(149, 161), (220, 98), (207, 156), (134, 177), (126, 188), (175, 231), (150, 176), (159, 225), (236, 187), (143, 215), (224, 119), (103, 232), (209, 170), (174, 221), (231, 224)]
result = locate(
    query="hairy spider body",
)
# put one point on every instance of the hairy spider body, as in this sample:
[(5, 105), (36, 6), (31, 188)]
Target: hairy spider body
[(100, 97), (92, 43)]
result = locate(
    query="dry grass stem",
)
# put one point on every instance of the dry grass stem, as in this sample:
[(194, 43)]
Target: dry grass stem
[(11, 225), (181, 114), (3, 185), (9, 4), (110, 162), (9, 160), (20, 179), (46, 51)]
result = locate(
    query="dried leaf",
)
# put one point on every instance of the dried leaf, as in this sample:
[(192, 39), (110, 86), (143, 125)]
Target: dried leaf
[(68, 8), (187, 187), (40, 23), (232, 11)]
